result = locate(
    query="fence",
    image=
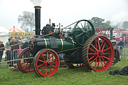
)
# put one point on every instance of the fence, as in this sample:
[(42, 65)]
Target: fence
[(11, 56)]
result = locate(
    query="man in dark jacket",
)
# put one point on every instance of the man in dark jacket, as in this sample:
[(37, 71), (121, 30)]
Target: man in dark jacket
[(14, 47), (1, 50), (120, 46)]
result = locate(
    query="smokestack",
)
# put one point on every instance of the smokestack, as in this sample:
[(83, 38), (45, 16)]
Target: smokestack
[(50, 21), (111, 33), (37, 19)]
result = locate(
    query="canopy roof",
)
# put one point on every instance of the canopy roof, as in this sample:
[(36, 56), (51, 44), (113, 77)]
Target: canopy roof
[(15, 30)]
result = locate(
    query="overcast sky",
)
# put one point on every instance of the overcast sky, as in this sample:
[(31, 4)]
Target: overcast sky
[(64, 11)]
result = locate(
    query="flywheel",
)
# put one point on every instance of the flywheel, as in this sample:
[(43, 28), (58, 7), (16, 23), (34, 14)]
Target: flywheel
[(82, 30)]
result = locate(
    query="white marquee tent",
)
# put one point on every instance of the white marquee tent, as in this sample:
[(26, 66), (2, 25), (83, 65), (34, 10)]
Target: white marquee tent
[(4, 34)]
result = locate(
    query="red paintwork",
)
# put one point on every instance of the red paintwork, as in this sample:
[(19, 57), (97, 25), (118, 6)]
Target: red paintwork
[(60, 35), (44, 69), (100, 54), (25, 65)]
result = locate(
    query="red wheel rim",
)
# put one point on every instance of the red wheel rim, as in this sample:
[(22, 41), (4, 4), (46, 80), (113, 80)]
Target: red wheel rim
[(47, 63), (100, 53), (25, 65)]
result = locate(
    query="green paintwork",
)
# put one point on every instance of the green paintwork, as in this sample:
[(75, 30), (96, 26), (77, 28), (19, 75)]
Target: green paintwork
[(63, 45)]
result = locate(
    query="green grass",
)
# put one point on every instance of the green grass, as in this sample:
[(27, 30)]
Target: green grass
[(66, 76)]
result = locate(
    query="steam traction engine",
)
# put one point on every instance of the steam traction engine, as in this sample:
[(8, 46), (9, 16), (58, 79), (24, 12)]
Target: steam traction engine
[(79, 44)]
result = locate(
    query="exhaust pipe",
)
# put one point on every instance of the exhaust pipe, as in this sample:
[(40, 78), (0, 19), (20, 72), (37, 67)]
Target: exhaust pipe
[(37, 19)]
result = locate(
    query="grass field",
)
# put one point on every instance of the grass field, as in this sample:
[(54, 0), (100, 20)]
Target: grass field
[(66, 76)]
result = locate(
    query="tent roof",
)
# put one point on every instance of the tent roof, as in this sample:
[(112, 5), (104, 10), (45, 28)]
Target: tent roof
[(3, 31)]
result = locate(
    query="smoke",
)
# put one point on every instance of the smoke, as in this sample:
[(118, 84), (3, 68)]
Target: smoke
[(119, 18), (36, 2)]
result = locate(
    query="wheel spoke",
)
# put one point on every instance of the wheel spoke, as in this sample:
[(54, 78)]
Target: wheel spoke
[(50, 68), (46, 70), (105, 53), (80, 29), (40, 60), (98, 64), (93, 60), (103, 46), (25, 65), (43, 68), (106, 57), (79, 35), (43, 57), (102, 43), (92, 53), (24, 62), (47, 55), (98, 44), (50, 57), (107, 49), (82, 25), (40, 65), (94, 47), (101, 62), (52, 65), (91, 57), (92, 50), (52, 61), (95, 63)]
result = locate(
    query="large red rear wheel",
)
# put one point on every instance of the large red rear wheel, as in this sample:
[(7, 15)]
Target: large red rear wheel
[(98, 53), (25, 65), (46, 63)]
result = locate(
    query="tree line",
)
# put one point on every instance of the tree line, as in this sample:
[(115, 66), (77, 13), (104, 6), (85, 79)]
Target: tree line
[(27, 20)]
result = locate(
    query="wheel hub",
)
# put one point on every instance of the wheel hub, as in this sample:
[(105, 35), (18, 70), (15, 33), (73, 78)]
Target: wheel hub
[(100, 53), (48, 63)]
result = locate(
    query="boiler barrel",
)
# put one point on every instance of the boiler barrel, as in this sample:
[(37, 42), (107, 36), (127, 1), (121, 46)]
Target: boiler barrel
[(63, 45), (59, 45)]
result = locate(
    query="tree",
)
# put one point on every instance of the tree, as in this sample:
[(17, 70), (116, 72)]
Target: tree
[(27, 20), (125, 25), (106, 24), (97, 22), (100, 23)]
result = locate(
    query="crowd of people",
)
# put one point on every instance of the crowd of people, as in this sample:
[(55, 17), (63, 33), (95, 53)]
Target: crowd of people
[(13, 46)]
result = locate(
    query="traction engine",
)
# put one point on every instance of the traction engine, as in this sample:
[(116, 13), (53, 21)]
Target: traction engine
[(78, 42)]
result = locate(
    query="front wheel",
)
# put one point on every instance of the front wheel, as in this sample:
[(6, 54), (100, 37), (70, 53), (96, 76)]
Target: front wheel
[(46, 63)]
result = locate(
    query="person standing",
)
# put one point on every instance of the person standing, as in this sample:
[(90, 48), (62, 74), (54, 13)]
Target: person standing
[(121, 44), (14, 47), (1, 50), (8, 55), (124, 40)]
